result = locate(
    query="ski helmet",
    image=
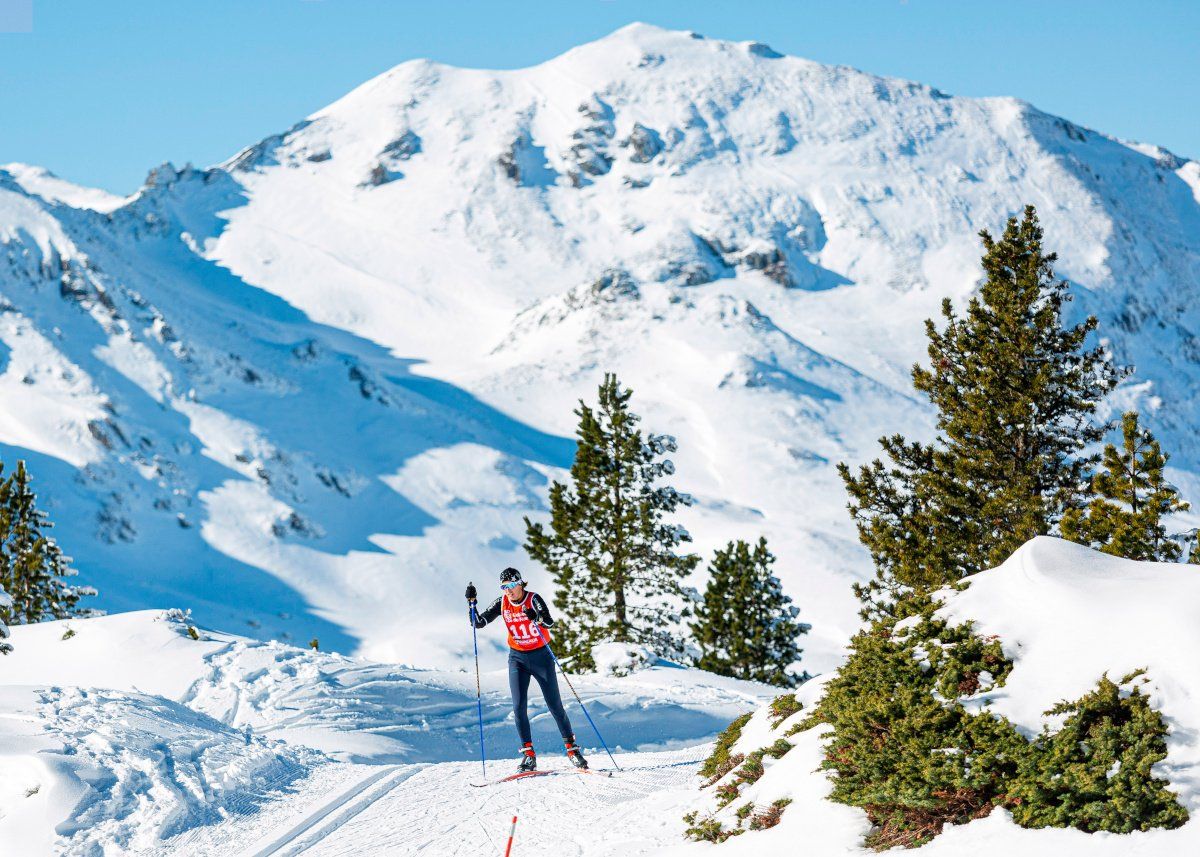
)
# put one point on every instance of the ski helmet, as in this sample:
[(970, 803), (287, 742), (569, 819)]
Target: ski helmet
[(511, 575)]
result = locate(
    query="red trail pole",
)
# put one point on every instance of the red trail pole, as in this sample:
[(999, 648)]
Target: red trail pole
[(511, 831)]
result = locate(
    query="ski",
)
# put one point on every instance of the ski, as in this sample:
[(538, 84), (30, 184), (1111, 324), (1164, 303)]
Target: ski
[(519, 776), (526, 774)]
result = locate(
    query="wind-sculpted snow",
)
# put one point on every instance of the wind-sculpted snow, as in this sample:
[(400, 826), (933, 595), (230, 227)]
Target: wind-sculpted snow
[(312, 391)]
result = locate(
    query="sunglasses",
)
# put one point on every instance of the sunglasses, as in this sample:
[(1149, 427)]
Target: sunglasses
[(511, 585)]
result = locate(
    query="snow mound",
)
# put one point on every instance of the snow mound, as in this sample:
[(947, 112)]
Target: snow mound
[(618, 659), (1066, 614), (1069, 614)]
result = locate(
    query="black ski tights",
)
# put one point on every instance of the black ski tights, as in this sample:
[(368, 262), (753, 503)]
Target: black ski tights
[(539, 664)]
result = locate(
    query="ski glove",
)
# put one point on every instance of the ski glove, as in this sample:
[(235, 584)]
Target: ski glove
[(471, 593), (532, 615)]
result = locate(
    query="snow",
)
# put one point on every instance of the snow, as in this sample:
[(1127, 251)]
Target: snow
[(618, 659), (126, 734), (49, 403), (1066, 615), (48, 186)]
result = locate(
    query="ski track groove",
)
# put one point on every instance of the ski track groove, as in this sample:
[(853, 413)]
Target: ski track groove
[(433, 811), (333, 814), (423, 810)]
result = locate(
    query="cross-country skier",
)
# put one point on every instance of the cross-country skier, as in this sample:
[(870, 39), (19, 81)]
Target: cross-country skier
[(527, 618)]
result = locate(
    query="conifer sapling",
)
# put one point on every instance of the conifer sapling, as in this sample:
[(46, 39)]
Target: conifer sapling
[(1132, 498)]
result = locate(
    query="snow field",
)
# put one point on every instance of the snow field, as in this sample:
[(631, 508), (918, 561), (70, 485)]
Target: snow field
[(129, 736)]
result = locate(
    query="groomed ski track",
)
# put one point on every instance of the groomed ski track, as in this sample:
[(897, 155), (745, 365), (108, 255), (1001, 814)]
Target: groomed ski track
[(368, 810)]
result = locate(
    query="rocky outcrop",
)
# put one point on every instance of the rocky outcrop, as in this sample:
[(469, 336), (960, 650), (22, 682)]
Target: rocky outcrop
[(588, 154), (403, 147), (644, 144)]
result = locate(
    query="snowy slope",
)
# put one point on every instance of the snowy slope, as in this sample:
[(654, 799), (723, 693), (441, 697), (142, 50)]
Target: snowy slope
[(1066, 615), (312, 391), (196, 747), (43, 183), (127, 735)]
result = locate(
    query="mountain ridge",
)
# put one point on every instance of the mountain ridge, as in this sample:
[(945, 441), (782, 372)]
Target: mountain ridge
[(354, 347)]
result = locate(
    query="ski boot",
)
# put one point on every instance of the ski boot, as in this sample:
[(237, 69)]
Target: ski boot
[(528, 760), (575, 754)]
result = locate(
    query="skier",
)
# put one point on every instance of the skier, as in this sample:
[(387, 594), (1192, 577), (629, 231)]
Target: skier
[(528, 618)]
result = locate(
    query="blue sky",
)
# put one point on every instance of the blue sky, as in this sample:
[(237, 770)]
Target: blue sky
[(100, 92)]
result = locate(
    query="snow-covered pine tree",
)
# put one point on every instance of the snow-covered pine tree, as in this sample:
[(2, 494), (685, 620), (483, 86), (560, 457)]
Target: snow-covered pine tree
[(1132, 497), (746, 626), (1015, 391), (609, 547), (33, 570)]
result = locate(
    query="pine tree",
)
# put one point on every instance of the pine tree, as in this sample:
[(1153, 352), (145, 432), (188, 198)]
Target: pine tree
[(33, 570), (746, 626), (1015, 391), (1132, 496), (914, 744), (612, 553)]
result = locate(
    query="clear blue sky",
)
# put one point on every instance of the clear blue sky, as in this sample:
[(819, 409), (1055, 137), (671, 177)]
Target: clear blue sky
[(102, 90)]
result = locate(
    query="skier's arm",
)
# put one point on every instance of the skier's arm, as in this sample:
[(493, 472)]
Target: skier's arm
[(488, 614), (539, 612)]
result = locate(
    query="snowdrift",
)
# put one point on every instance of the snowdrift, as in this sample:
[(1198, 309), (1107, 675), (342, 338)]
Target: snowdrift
[(1066, 615), (124, 730)]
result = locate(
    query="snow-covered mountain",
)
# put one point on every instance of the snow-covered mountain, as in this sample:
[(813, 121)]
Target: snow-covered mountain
[(312, 391)]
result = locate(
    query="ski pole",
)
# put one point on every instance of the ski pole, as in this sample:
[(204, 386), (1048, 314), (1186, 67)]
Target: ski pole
[(574, 691), (478, 690), (511, 831)]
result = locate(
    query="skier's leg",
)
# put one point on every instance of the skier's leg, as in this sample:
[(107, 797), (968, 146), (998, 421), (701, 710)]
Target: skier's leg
[(542, 667), (518, 685)]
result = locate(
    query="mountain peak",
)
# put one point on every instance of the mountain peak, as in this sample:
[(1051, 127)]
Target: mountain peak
[(750, 242), (648, 41)]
